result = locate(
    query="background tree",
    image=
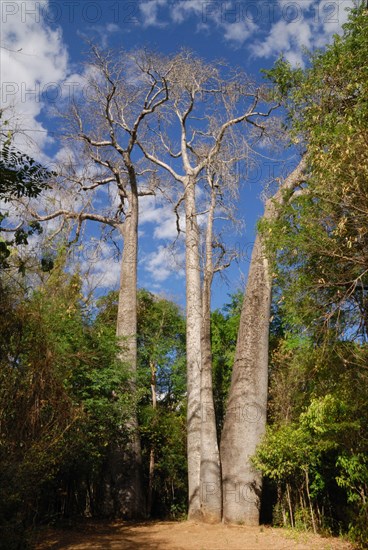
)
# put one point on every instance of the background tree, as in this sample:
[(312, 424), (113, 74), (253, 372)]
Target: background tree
[(161, 354), (224, 330), (160, 398)]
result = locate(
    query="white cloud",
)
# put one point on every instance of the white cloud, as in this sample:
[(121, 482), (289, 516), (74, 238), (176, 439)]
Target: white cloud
[(310, 24), (225, 16), (332, 15), (166, 229), (285, 26), (286, 38), (153, 210), (238, 32), (184, 9), (149, 11), (33, 58), (163, 263)]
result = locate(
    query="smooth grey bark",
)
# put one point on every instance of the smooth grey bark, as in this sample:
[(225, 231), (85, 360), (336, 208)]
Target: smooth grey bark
[(245, 418), (107, 123), (193, 335), (130, 492), (191, 85), (123, 470), (210, 468)]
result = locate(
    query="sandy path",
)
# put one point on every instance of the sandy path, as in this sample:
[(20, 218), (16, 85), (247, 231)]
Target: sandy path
[(183, 536)]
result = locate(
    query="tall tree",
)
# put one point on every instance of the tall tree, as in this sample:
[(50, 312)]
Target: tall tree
[(246, 409), (200, 92), (216, 257), (326, 109), (122, 91)]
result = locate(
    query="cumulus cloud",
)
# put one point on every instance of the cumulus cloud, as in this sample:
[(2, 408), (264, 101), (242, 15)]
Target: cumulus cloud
[(238, 32), (163, 263), (161, 215), (180, 11), (309, 24), (286, 38), (150, 11), (33, 59), (99, 263)]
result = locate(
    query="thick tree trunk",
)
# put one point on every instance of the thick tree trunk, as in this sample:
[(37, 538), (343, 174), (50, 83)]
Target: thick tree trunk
[(245, 418), (193, 334), (123, 484), (210, 470)]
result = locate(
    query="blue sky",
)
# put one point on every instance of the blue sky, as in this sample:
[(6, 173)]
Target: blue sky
[(41, 63)]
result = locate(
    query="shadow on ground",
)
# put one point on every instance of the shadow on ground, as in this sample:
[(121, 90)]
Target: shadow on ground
[(186, 535), (106, 536)]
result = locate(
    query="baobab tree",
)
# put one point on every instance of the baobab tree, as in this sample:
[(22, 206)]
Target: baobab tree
[(207, 110), (245, 418), (102, 125), (220, 191), (143, 102)]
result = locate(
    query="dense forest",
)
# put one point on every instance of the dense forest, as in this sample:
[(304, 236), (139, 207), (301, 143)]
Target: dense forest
[(110, 403)]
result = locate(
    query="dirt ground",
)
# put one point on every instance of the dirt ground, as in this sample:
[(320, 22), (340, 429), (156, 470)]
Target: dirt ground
[(164, 535)]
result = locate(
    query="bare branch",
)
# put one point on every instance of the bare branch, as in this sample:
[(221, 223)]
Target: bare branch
[(68, 214)]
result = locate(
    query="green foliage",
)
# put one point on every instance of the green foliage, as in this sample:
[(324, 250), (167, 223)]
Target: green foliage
[(320, 240), (224, 331), (163, 433), (353, 477), (62, 400), (315, 448), (161, 346), (161, 359), (20, 174), (161, 369)]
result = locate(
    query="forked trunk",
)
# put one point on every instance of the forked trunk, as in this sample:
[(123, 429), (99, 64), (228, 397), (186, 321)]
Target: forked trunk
[(193, 334)]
